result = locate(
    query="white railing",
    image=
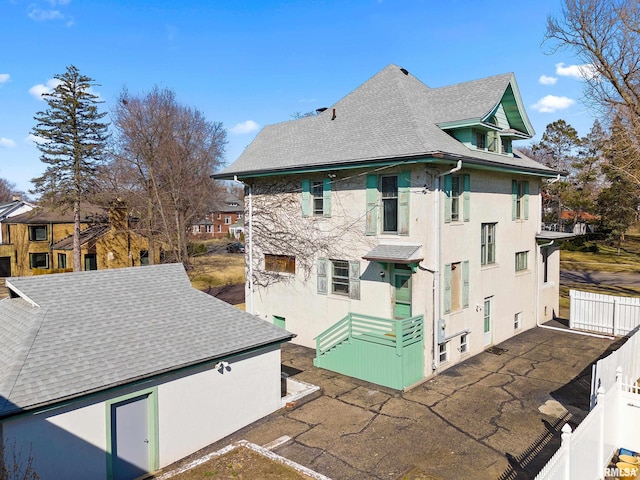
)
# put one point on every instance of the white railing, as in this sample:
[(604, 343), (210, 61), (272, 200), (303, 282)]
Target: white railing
[(602, 313), (611, 424)]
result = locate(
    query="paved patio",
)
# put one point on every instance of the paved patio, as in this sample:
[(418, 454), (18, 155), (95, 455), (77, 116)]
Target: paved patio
[(493, 416)]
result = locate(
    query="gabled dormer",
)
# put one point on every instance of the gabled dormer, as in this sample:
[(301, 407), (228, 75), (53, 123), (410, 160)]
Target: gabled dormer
[(494, 130)]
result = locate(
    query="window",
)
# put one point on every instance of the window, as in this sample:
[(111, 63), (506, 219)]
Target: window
[(208, 228), (316, 198), (227, 220), (488, 244), (545, 264), (456, 286), (457, 198), (280, 263), (521, 261), (443, 352), (62, 261), (37, 233), (464, 343), (388, 196), (39, 260), (516, 321), (389, 188), (340, 277), (219, 228), (144, 257), (506, 145), (481, 140), (344, 277), (90, 261), (219, 216), (239, 216), (196, 229), (520, 200)]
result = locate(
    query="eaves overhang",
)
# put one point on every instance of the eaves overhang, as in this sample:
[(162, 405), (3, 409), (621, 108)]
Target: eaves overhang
[(425, 158)]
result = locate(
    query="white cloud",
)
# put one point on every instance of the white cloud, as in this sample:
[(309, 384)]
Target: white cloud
[(4, 78), (40, 15), (35, 139), (586, 71), (244, 127), (7, 142), (546, 80), (552, 103), (37, 90)]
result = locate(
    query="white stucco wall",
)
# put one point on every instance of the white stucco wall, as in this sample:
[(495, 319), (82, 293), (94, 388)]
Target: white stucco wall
[(308, 314), (196, 407)]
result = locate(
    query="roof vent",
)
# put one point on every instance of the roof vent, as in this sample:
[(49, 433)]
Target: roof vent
[(405, 71), (320, 110)]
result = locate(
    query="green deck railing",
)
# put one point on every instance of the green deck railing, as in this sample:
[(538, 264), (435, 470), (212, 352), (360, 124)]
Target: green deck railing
[(379, 350)]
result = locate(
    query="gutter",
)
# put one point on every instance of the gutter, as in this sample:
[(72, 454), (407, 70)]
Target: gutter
[(437, 253), (249, 244), (426, 157)]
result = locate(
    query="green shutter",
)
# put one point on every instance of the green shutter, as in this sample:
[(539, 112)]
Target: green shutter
[(322, 276), (372, 205), (326, 197), (404, 198), (447, 199), (514, 200), (526, 200), (465, 284), (446, 297), (354, 279), (306, 197), (466, 207)]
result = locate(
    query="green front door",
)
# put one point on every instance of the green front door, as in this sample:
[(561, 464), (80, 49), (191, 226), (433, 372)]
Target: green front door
[(402, 292)]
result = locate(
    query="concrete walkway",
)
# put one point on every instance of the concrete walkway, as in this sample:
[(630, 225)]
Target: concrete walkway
[(493, 416)]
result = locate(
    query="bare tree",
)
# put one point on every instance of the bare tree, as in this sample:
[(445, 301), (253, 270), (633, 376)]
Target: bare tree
[(164, 155)]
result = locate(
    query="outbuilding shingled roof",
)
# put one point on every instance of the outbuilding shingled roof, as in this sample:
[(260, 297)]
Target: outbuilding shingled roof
[(71, 334), (392, 116)]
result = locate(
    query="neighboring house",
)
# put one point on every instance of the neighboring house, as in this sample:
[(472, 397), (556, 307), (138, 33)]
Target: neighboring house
[(398, 231), (8, 210), (41, 241), (116, 373), (225, 217)]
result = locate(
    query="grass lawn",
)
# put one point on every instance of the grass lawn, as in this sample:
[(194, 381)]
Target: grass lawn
[(217, 267), (606, 259), (241, 463)]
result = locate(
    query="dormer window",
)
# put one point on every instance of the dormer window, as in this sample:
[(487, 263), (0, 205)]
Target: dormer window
[(481, 140)]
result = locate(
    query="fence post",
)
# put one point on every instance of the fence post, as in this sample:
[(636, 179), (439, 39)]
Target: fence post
[(603, 410), (566, 446), (616, 314), (572, 307)]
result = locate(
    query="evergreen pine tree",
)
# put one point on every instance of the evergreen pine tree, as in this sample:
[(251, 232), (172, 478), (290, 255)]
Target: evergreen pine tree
[(72, 145)]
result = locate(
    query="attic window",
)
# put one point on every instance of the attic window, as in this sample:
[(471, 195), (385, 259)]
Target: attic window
[(481, 140)]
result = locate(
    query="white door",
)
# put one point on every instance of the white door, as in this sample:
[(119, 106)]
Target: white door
[(130, 438), (487, 322)]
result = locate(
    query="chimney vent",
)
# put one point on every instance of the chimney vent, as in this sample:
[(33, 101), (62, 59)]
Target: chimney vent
[(320, 110), (333, 117), (405, 71)]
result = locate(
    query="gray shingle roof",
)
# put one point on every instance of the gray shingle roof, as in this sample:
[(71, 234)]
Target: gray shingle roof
[(75, 333), (391, 116), (395, 253), (86, 235)]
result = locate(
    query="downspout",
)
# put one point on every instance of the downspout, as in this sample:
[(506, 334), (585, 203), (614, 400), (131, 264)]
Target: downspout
[(538, 286), (249, 244), (437, 253)]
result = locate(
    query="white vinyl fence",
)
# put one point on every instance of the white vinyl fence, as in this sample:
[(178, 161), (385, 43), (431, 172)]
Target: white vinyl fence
[(585, 453), (603, 372), (601, 313)]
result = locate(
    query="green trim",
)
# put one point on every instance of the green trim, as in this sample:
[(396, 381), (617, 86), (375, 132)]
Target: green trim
[(419, 159), (140, 382), (473, 122), (326, 197), (447, 197), (152, 412), (371, 222), (466, 195), (526, 200)]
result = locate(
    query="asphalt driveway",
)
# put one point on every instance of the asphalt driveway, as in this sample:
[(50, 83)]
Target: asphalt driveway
[(493, 416)]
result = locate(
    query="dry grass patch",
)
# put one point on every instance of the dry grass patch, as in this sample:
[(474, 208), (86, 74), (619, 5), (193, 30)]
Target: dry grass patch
[(241, 463), (217, 270)]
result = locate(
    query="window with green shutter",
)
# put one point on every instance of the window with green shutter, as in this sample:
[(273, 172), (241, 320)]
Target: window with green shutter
[(321, 268), (316, 198), (456, 286), (372, 205), (519, 200), (457, 198)]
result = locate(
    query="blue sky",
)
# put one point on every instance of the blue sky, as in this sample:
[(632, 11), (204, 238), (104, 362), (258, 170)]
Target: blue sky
[(252, 63)]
